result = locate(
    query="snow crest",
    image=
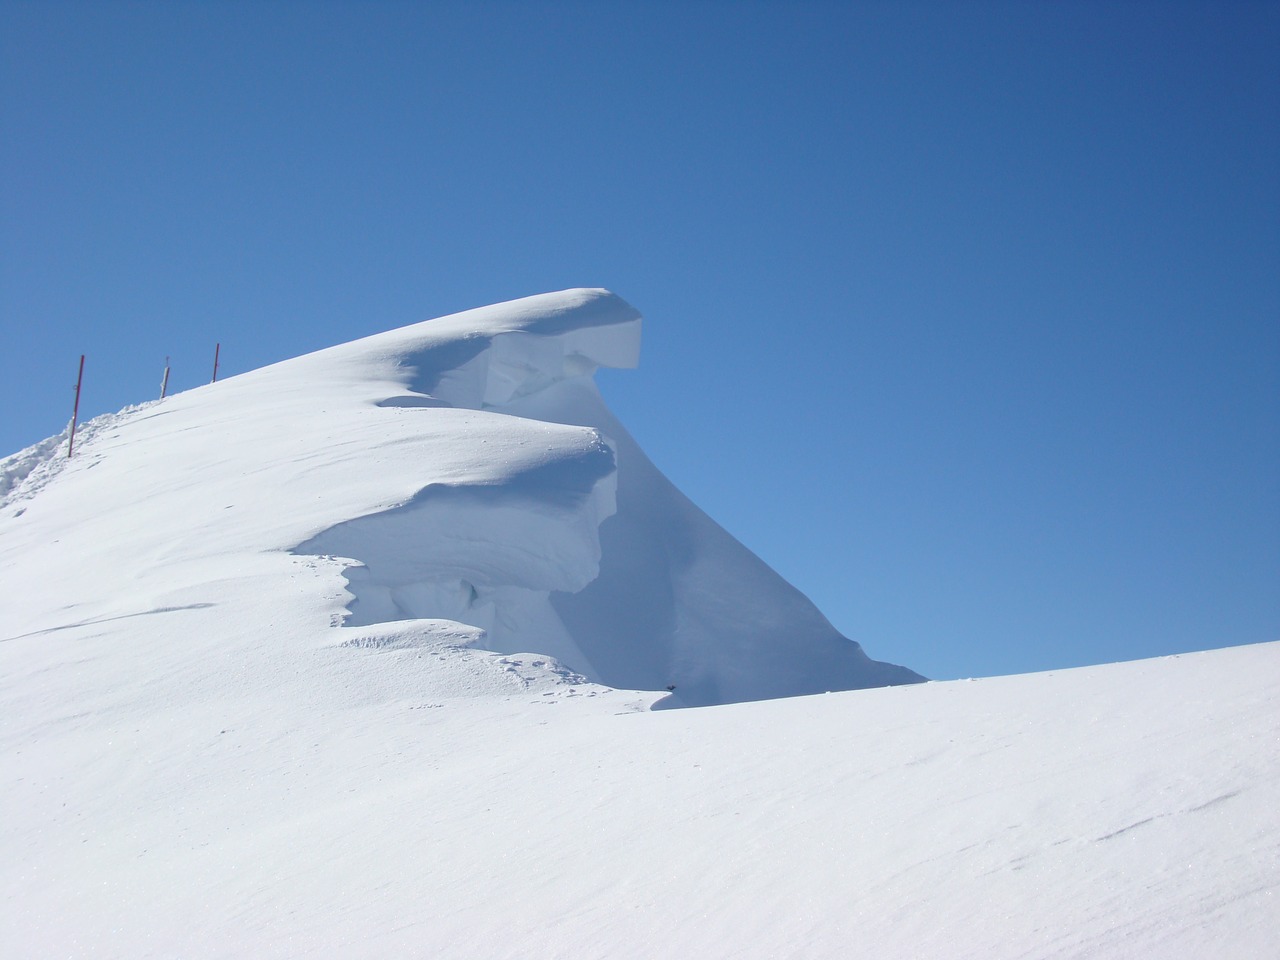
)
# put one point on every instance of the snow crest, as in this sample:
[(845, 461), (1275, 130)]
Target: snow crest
[(464, 471), (483, 553), (593, 558)]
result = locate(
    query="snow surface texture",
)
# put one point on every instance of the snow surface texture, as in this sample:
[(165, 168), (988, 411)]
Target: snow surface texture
[(266, 690)]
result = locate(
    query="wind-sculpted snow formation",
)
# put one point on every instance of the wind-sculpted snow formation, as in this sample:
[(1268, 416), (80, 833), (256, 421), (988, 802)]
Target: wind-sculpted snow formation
[(300, 663), (587, 554), (459, 477)]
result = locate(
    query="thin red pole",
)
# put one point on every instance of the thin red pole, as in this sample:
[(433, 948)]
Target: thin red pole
[(217, 348), (75, 412)]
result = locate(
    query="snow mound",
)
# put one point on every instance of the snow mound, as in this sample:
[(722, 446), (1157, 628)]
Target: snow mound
[(597, 560), (463, 469)]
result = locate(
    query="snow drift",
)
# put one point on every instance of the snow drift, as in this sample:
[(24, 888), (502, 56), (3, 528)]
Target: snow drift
[(595, 558), (466, 470)]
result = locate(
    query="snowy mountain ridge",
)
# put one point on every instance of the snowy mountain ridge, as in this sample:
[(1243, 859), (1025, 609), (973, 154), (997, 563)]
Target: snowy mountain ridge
[(356, 655), (466, 470)]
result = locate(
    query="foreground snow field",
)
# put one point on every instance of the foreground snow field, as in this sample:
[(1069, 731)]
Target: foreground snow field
[(302, 663), (1118, 811)]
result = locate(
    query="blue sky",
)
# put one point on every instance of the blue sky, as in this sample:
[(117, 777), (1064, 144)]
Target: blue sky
[(965, 317)]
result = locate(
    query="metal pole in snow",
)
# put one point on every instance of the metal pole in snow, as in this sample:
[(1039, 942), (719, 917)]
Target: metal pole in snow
[(217, 348), (164, 383), (75, 412)]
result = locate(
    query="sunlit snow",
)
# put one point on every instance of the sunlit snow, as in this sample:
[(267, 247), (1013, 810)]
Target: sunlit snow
[(356, 655)]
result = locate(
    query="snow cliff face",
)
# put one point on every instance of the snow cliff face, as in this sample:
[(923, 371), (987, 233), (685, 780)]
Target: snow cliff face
[(461, 474), (596, 558)]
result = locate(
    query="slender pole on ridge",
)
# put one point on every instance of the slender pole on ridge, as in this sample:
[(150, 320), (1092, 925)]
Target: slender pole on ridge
[(75, 411), (164, 382), (217, 348)]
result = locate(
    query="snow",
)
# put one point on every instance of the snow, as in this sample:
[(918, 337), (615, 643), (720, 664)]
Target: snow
[(357, 655), (464, 469)]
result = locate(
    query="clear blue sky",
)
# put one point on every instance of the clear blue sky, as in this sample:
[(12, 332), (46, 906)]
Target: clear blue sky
[(964, 316)]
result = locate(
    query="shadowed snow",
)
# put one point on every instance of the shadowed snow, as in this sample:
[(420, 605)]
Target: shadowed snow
[(656, 596)]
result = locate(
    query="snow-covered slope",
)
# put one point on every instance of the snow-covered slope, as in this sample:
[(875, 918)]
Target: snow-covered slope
[(462, 469), (302, 663)]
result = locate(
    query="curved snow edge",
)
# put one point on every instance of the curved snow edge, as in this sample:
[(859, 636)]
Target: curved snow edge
[(489, 555)]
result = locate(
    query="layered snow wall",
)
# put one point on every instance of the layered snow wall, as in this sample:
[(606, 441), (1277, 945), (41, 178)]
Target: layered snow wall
[(584, 551), (462, 477)]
